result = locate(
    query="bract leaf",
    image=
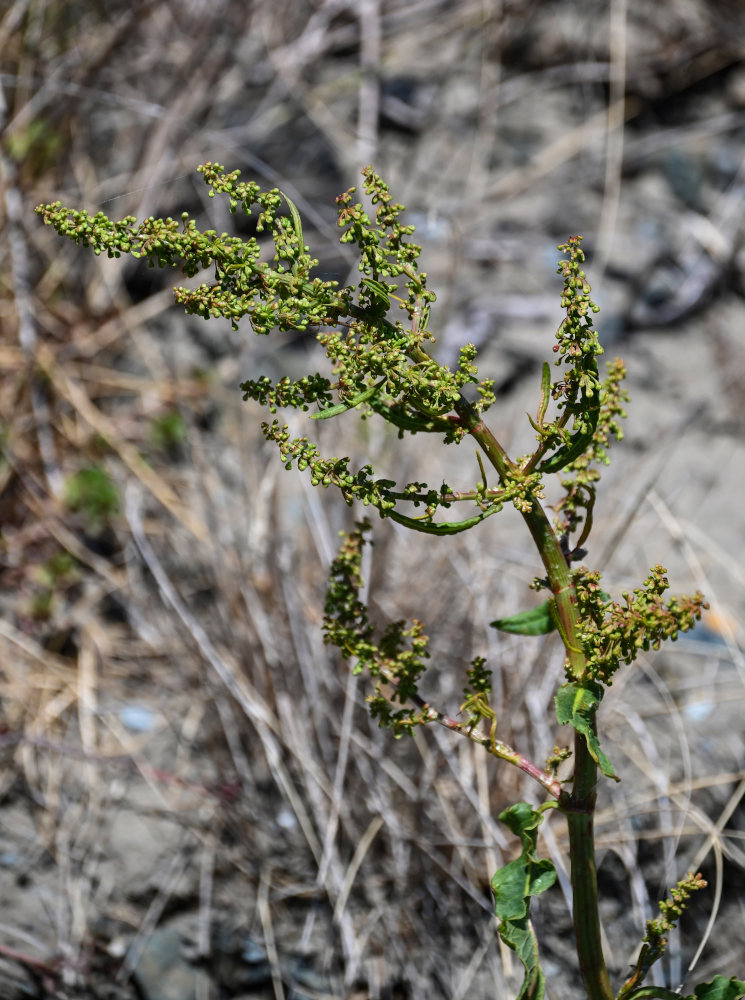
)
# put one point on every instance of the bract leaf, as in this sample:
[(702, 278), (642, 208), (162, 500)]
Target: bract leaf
[(513, 887), (297, 225), (535, 621), (379, 290), (578, 443), (545, 394), (576, 705)]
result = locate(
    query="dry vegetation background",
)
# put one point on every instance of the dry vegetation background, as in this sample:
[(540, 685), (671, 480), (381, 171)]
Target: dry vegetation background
[(193, 802)]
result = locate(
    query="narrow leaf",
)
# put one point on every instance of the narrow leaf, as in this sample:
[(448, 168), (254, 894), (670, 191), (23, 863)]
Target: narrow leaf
[(535, 621), (545, 394), (576, 705), (441, 527), (334, 411), (656, 992), (296, 223), (378, 289), (589, 407)]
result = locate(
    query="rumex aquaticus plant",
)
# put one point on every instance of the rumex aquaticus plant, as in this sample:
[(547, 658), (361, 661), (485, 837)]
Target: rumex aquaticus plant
[(376, 336)]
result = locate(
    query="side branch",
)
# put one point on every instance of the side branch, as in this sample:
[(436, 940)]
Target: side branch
[(496, 747), (501, 750)]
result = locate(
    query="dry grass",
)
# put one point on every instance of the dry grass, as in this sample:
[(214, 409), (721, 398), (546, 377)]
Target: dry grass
[(179, 750)]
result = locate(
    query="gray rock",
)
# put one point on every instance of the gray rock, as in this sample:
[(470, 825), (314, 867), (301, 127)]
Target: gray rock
[(163, 973)]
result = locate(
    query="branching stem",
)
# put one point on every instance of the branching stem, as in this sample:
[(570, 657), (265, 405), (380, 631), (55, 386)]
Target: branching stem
[(496, 747), (579, 806), (499, 749), (382, 366)]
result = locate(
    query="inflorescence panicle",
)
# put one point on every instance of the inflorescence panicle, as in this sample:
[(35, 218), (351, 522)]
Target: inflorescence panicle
[(377, 336)]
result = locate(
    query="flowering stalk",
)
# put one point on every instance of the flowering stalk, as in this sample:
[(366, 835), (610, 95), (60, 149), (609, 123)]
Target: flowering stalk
[(376, 337)]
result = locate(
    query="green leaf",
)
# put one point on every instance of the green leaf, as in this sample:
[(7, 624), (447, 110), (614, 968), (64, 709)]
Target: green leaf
[(439, 528), (520, 937), (334, 411), (513, 887), (297, 225), (719, 989), (576, 705), (656, 992), (535, 621), (537, 424), (589, 406), (379, 290), (406, 421)]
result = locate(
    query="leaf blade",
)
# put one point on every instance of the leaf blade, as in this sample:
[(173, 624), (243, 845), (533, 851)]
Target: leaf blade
[(576, 705), (362, 397), (513, 886), (720, 988), (534, 621)]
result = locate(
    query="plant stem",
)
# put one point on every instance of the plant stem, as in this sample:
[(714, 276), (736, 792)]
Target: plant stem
[(580, 811), (500, 750), (560, 581), (579, 806), (543, 534)]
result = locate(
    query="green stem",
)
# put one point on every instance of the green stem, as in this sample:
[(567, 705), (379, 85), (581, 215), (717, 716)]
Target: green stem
[(545, 539), (655, 991), (580, 812), (562, 587), (579, 806)]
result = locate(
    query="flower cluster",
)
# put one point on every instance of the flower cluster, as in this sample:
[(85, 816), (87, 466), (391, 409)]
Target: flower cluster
[(381, 493), (377, 355), (655, 941), (583, 475), (476, 693), (285, 392), (396, 659), (576, 336), (577, 390), (593, 407), (613, 633), (672, 909)]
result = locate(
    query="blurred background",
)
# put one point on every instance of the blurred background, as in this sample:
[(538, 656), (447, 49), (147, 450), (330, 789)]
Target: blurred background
[(193, 800)]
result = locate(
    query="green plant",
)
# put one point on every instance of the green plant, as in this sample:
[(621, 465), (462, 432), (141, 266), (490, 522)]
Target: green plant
[(376, 336), (91, 492), (167, 432), (50, 580)]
